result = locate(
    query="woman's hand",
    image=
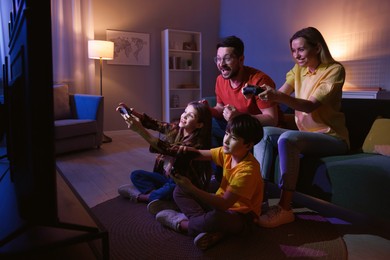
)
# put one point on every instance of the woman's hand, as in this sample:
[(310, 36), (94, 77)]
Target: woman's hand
[(269, 94)]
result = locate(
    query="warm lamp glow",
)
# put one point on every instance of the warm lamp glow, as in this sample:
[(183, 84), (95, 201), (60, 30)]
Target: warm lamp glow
[(339, 51), (100, 50)]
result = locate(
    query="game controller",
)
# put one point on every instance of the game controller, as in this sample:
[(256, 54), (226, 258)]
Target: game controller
[(250, 89), (124, 111)]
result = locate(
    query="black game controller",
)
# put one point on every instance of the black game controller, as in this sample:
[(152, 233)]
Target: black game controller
[(250, 89)]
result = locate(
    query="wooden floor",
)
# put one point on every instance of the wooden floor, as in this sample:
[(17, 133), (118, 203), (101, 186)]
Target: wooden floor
[(128, 152)]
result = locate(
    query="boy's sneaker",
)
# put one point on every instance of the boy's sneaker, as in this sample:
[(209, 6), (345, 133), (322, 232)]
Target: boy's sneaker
[(155, 206), (205, 240), (276, 216), (129, 191), (171, 218)]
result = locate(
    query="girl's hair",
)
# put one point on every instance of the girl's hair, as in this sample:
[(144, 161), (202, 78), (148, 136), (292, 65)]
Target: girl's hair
[(199, 172), (314, 38), (204, 116), (234, 42), (246, 127)]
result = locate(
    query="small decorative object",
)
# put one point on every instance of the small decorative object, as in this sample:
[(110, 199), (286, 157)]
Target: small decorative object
[(177, 63), (189, 85), (175, 102), (189, 46), (189, 64), (174, 62)]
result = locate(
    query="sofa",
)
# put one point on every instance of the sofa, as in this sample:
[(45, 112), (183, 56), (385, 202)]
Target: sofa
[(78, 120), (360, 180)]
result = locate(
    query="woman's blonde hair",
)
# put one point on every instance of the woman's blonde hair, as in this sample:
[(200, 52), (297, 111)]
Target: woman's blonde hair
[(314, 38)]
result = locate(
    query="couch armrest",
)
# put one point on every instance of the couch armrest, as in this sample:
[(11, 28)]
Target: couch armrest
[(85, 106), (212, 100)]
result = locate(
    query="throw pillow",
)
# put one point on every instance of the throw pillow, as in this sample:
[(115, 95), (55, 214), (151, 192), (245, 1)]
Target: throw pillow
[(61, 102), (378, 135)]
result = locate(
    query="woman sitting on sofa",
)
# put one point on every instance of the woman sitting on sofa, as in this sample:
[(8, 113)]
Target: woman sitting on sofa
[(316, 81)]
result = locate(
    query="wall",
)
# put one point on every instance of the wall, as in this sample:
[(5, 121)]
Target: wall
[(357, 32), (141, 86)]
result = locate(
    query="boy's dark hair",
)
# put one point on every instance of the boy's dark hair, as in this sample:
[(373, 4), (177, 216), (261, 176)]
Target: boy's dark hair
[(246, 127), (234, 42)]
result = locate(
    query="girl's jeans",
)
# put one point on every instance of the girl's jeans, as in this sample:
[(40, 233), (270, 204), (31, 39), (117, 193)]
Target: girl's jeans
[(159, 185)]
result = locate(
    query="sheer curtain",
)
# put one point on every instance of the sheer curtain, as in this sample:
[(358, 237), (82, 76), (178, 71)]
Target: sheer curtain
[(72, 27), (5, 9)]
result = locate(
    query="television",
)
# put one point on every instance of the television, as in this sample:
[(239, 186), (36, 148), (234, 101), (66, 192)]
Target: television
[(28, 189)]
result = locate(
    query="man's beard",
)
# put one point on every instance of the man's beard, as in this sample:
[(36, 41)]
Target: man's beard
[(232, 74)]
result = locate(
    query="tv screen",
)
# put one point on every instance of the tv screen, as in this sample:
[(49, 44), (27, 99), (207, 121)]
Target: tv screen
[(29, 187)]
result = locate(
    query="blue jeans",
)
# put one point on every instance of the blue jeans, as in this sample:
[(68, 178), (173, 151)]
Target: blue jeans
[(291, 145), (159, 185)]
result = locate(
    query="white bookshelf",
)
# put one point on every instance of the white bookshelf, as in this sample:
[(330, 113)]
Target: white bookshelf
[(182, 81)]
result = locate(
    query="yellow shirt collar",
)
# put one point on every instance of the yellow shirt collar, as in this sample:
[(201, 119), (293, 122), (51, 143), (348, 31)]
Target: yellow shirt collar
[(320, 67)]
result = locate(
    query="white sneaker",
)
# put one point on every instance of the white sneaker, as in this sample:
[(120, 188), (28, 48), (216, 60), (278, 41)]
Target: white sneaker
[(155, 206), (206, 240), (129, 191), (171, 218), (276, 216)]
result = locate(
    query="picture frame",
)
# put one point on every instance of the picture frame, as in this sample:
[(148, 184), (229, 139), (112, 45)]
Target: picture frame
[(130, 48), (189, 46)]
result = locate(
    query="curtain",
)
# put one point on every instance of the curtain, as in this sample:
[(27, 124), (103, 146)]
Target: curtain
[(72, 27), (5, 9)]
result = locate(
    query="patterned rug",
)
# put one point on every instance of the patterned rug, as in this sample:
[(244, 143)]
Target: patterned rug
[(135, 234)]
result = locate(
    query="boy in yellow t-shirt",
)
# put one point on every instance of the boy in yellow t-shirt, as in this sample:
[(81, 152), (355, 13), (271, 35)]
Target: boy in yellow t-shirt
[(237, 202)]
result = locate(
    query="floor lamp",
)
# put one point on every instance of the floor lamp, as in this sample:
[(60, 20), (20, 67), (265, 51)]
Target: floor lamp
[(101, 50)]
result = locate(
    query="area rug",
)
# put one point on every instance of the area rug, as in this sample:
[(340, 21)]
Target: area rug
[(135, 234)]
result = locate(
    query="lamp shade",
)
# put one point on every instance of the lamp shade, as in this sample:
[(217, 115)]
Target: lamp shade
[(100, 50)]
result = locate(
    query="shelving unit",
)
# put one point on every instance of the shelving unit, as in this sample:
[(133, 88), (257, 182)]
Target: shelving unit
[(181, 71)]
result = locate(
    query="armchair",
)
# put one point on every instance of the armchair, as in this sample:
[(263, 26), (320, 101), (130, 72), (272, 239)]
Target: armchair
[(78, 120)]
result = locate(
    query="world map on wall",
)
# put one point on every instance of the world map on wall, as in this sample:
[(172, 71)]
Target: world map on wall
[(129, 48), (132, 46)]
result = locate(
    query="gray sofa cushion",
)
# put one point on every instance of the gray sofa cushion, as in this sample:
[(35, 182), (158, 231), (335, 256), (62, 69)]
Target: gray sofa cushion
[(67, 128)]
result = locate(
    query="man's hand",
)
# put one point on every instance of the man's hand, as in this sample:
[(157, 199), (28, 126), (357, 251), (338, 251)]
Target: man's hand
[(204, 101), (229, 112)]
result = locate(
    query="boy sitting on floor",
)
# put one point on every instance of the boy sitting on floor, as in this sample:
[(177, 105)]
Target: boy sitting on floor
[(237, 202)]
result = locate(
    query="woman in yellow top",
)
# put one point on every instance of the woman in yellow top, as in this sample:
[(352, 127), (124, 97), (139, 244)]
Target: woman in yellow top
[(316, 81)]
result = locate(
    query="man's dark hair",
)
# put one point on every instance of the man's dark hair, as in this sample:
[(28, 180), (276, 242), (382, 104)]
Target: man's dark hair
[(234, 42), (246, 127)]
